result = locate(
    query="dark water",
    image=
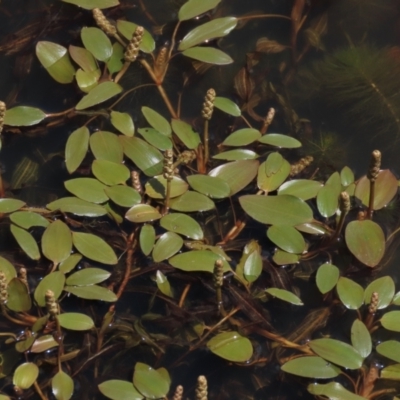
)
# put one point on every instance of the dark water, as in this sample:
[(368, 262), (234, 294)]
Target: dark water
[(336, 137)]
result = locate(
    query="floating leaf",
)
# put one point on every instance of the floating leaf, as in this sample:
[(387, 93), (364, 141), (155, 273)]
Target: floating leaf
[(62, 386), (208, 55), (209, 185), (19, 299), (106, 146), (23, 116), (124, 196), (279, 140), (88, 189), (235, 155), (115, 64), (385, 288), (231, 346), (237, 174), (7, 269), (90, 4), (55, 282), (351, 294), (57, 242), (311, 367), (167, 245), (391, 372), (389, 349), (123, 122), (10, 205), (304, 189), (242, 137), (70, 263), (109, 172), (116, 390), (151, 383), (97, 42), (386, 187), (55, 59), (25, 375), (252, 267), (93, 247), (25, 173), (361, 338), (77, 206), (276, 210), (76, 148), (87, 80), (99, 94), (182, 224), (271, 182), (197, 260), (92, 292), (155, 138), (287, 238), (87, 276), (163, 285), (227, 106), (346, 176), (191, 202), (273, 163), (147, 45), (327, 277), (75, 321), (83, 58), (146, 157), (216, 28), (327, 201), (147, 238), (157, 121), (26, 241), (142, 213), (391, 321), (285, 295), (185, 133), (333, 390), (28, 219), (156, 187), (193, 8), (366, 240), (337, 352)]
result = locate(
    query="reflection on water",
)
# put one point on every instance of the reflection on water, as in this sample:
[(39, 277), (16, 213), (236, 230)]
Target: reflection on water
[(332, 74)]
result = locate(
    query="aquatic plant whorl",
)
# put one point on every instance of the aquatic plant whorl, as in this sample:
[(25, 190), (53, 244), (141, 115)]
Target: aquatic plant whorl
[(103, 23), (374, 166), (132, 50), (208, 105), (201, 389)]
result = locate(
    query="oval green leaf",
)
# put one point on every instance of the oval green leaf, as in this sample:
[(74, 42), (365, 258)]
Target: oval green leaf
[(88, 189), (361, 338), (87, 276), (28, 219), (124, 196), (106, 146), (62, 386), (8, 269), (193, 8), (77, 206), (285, 295), (385, 288), (92, 292), (391, 321), (76, 148), (156, 187), (93, 247), (110, 173), (287, 238), (242, 137), (26, 241), (57, 242), (236, 155), (337, 352), (147, 45), (123, 122), (182, 224), (155, 138), (157, 121), (10, 205), (209, 185), (55, 282), (279, 140), (25, 375), (333, 390), (142, 213), (167, 245), (277, 210), (75, 321), (216, 28), (389, 349), (147, 238), (231, 346), (151, 383), (185, 133), (351, 294), (208, 55), (311, 367), (366, 240), (99, 94), (227, 106), (90, 4), (116, 389), (97, 42), (304, 189), (327, 277), (23, 116), (197, 260), (191, 202), (19, 300)]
